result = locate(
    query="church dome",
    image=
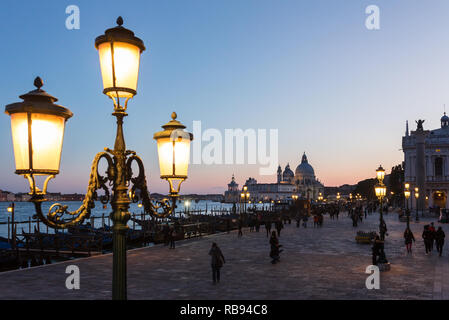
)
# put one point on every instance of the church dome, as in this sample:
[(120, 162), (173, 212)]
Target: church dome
[(444, 121), (305, 169), (233, 184), (288, 173)]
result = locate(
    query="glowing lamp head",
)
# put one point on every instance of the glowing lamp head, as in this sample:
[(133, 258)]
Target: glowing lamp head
[(416, 195), (173, 146), (37, 126), (416, 189), (119, 50), (407, 194), (380, 173), (9, 209), (407, 185), (381, 190)]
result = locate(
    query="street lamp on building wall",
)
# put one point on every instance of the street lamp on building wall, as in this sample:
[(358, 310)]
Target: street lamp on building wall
[(38, 125)]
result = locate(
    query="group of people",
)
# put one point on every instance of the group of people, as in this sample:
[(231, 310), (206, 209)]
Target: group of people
[(433, 237)]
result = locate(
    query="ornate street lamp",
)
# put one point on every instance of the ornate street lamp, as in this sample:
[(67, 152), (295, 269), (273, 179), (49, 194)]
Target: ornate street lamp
[(380, 173), (407, 211), (119, 50), (37, 126), (37, 132), (381, 191)]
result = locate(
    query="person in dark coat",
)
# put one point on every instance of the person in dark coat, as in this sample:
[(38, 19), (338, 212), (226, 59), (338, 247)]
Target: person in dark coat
[(171, 237), (240, 228), (274, 248), (432, 233), (409, 238), (268, 227), (217, 261), (439, 239), (383, 230), (378, 251), (279, 226), (428, 238)]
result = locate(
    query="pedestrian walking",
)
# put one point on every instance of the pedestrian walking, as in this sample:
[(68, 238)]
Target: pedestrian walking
[(383, 230), (217, 261), (432, 233), (409, 238), (427, 237), (304, 221), (240, 234), (279, 227), (171, 237), (268, 227), (274, 248), (376, 249), (439, 239)]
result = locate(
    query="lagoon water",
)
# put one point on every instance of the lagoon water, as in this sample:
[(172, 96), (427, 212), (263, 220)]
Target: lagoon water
[(25, 210)]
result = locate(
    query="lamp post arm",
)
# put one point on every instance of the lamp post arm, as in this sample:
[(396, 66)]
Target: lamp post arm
[(140, 183), (55, 217)]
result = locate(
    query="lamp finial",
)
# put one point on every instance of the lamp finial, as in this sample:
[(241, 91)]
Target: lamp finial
[(174, 115), (120, 21), (38, 83)]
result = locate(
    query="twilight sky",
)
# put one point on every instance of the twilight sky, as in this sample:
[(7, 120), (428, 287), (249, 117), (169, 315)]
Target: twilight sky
[(308, 68)]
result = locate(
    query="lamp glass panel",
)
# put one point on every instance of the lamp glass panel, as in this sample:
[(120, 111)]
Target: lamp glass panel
[(180, 156), (126, 67), (47, 134), (19, 128)]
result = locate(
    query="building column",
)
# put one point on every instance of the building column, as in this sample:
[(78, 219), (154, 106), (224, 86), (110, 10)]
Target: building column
[(445, 167), (430, 198)]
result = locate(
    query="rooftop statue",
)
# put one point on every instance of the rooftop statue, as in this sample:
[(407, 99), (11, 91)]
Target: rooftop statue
[(419, 123)]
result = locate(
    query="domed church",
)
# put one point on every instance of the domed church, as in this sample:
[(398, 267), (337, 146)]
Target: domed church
[(306, 184)]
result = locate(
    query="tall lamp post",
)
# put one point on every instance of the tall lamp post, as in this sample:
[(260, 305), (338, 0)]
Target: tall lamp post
[(417, 198), (37, 133), (407, 211), (11, 209), (245, 197), (381, 191)]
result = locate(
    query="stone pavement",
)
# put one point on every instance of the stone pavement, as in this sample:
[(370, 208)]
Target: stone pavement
[(323, 263)]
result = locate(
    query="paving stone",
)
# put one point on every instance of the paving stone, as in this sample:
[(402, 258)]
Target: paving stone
[(321, 263)]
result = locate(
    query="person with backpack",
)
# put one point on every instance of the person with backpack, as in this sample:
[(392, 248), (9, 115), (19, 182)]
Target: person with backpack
[(439, 239), (427, 237), (217, 261)]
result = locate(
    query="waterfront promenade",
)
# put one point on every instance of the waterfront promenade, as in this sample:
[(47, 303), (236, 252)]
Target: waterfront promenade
[(323, 263)]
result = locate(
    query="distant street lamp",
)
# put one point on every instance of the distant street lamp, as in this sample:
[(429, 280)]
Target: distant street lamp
[(407, 211), (417, 198), (37, 133), (11, 209), (381, 191)]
